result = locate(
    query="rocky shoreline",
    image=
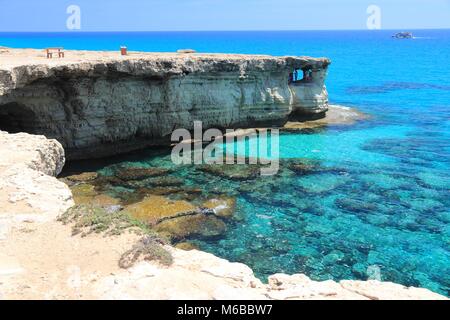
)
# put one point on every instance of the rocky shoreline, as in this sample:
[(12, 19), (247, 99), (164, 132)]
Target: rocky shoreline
[(40, 259)]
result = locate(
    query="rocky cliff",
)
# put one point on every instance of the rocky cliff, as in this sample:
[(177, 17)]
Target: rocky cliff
[(98, 103)]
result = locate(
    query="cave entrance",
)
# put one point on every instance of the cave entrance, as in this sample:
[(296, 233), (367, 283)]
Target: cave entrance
[(16, 117)]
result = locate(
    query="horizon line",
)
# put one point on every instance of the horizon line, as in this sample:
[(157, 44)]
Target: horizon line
[(243, 30)]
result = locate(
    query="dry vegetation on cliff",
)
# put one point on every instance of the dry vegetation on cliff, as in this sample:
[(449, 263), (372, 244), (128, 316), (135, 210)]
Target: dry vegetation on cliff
[(88, 219)]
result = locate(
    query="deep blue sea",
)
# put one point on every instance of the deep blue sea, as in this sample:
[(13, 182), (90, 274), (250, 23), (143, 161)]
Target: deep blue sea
[(380, 206)]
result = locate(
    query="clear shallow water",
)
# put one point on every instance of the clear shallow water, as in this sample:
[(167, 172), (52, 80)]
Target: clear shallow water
[(382, 196)]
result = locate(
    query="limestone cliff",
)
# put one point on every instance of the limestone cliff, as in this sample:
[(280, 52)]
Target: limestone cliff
[(98, 103)]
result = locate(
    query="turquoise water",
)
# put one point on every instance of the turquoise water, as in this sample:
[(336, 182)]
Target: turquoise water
[(380, 197)]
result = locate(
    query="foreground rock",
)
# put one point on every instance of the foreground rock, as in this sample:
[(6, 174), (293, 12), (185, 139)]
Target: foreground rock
[(199, 275), (49, 268), (99, 103), (29, 192), (28, 165)]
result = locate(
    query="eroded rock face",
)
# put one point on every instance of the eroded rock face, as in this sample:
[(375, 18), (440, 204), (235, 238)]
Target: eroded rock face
[(96, 107), (310, 98)]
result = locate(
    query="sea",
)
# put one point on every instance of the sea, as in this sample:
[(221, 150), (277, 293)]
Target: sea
[(378, 206)]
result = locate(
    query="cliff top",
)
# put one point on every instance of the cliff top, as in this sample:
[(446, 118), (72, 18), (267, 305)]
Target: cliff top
[(10, 58), (19, 67)]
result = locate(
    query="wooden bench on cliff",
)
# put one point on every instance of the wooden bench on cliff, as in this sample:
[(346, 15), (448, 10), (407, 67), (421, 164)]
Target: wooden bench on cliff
[(51, 51)]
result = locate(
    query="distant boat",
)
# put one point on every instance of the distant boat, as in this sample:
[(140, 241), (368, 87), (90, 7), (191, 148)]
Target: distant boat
[(403, 35)]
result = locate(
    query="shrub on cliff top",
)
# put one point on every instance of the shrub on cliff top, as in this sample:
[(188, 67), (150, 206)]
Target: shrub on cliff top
[(148, 248), (87, 219)]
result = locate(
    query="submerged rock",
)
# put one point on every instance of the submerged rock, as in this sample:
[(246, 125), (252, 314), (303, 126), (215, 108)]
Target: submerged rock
[(187, 193), (433, 180), (140, 173), (333, 258), (222, 207), (304, 168), (322, 183), (87, 194), (186, 246), (104, 182), (382, 181), (129, 198), (196, 226), (239, 172), (154, 209), (177, 219), (164, 182), (83, 193), (160, 191), (301, 168), (83, 177), (355, 205)]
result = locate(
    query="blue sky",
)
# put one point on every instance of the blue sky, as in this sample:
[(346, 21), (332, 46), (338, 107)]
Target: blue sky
[(185, 15)]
